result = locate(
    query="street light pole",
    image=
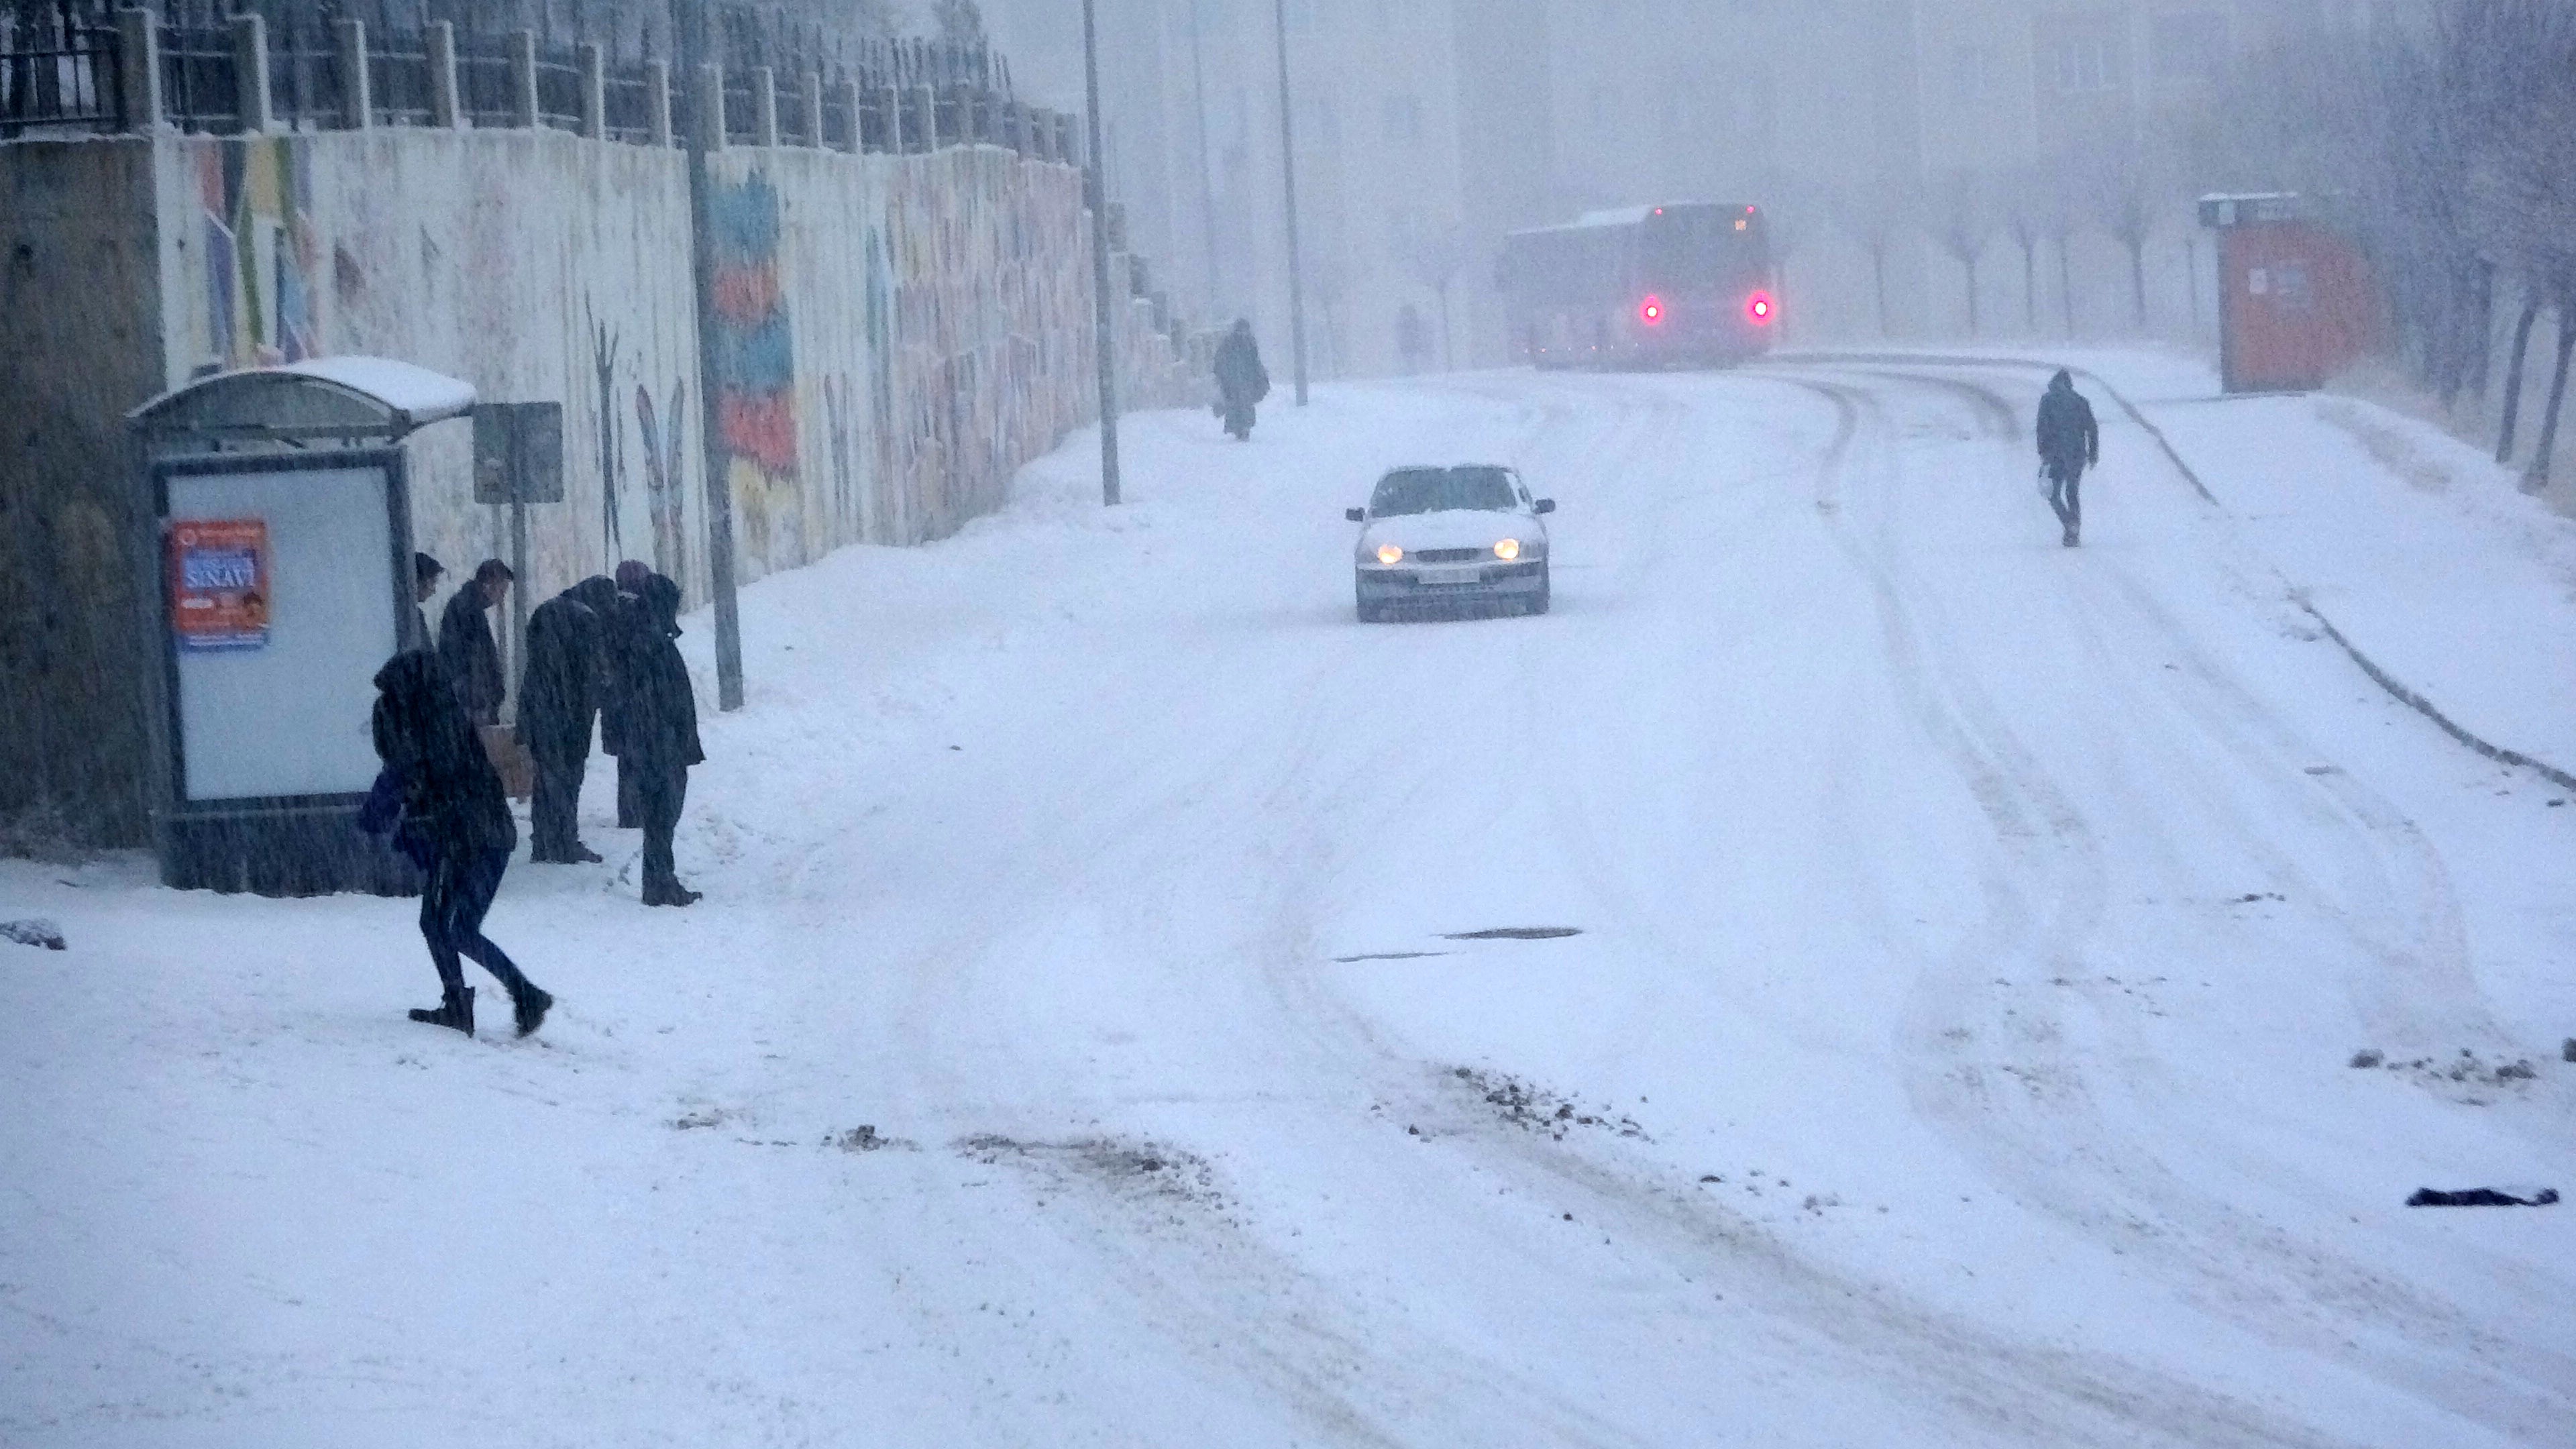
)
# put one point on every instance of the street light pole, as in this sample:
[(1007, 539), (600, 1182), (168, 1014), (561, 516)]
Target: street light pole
[(1104, 331), (1288, 162), (706, 132), (1207, 186)]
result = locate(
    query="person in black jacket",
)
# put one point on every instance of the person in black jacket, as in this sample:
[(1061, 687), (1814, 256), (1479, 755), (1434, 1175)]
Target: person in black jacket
[(425, 574), (465, 647), (1241, 379), (454, 815), (2069, 442), (659, 734), (558, 701), (632, 575)]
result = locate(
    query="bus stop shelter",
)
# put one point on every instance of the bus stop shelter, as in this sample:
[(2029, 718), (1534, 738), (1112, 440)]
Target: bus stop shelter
[(280, 535)]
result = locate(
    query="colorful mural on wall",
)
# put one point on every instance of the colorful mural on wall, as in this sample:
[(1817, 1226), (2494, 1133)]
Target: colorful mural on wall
[(755, 371), (260, 253)]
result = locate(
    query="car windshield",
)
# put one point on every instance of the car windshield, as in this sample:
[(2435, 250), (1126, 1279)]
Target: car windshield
[(1433, 490)]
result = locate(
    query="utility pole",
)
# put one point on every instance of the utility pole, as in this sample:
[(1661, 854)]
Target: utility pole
[(1104, 331), (705, 131), (1207, 185), (1288, 163)]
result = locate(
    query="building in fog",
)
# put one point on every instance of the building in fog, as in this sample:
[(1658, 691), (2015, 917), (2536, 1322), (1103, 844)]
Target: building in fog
[(1886, 137)]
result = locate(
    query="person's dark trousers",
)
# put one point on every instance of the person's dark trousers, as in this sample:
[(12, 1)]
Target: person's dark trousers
[(2066, 494), (630, 796), (555, 814), (659, 796), (461, 888)]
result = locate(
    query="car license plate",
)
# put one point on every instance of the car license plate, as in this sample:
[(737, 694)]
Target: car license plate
[(1450, 576)]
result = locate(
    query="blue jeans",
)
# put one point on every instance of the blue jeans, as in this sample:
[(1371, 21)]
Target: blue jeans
[(461, 888)]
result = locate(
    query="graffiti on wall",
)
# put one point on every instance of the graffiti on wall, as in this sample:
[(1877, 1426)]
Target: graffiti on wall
[(260, 253), (612, 439), (755, 372)]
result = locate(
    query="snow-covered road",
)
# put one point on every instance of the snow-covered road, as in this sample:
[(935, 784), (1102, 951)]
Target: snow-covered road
[(1974, 935)]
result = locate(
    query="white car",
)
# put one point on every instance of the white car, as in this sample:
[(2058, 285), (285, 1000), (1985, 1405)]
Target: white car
[(1451, 538)]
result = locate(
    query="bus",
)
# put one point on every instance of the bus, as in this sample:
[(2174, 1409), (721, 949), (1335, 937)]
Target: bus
[(1647, 286)]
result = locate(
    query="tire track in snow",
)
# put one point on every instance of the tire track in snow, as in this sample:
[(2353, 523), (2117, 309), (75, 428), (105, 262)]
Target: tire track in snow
[(2202, 1241)]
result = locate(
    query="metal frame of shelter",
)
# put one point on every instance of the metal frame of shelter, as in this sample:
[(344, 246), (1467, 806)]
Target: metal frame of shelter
[(330, 414)]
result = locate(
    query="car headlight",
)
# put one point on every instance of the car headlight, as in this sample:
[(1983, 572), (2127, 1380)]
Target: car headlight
[(1388, 553), (1508, 549)]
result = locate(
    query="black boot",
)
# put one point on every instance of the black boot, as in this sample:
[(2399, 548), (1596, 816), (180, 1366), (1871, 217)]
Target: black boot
[(455, 1012), (669, 892), (530, 1005)]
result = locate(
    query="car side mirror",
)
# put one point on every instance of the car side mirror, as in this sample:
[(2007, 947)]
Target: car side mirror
[(1356, 515), (1547, 505)]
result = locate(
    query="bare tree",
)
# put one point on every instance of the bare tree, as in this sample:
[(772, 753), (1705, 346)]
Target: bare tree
[(1964, 222), (2512, 64), (2030, 199), (1880, 214), (1432, 255)]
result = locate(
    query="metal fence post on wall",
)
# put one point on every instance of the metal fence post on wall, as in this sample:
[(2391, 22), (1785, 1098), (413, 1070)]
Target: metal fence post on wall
[(523, 80), (657, 101), (250, 75), (446, 102), (890, 100), (809, 89), (764, 106), (925, 117), (357, 107), (138, 59), (849, 93), (594, 90)]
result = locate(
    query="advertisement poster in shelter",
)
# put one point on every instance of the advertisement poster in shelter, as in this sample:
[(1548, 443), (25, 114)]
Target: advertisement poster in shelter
[(219, 584)]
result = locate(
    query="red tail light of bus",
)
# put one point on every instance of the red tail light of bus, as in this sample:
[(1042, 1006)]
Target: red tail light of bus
[(1651, 312), (1759, 310)]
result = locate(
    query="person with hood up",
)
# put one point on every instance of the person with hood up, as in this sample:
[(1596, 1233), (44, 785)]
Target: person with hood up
[(658, 736), (456, 823), (1241, 380), (465, 647), (632, 575), (559, 697), (425, 574), (2069, 442)]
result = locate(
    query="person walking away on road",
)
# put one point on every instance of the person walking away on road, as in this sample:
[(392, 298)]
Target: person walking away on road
[(425, 574), (660, 734), (558, 701), (2069, 442), (632, 575), (1241, 379), (455, 820), (465, 647)]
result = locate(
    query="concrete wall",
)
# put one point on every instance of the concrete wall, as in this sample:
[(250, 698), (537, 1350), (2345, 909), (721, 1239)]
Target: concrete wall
[(897, 334)]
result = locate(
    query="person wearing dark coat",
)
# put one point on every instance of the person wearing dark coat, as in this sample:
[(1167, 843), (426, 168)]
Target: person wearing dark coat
[(465, 647), (631, 578), (425, 574), (659, 736), (1240, 379), (2069, 442), (558, 702), (456, 820)]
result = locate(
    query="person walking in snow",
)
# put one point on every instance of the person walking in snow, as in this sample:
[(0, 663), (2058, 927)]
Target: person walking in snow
[(1240, 379), (2069, 442), (456, 823), (658, 735), (558, 701), (465, 647)]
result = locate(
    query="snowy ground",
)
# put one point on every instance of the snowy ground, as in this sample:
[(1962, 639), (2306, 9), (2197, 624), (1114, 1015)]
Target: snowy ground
[(1074, 1047)]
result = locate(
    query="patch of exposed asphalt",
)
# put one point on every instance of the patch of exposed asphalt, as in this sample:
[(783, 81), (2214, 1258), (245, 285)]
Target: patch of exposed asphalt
[(1536, 1109), (1516, 933), (2467, 1070), (1390, 956), (865, 1139), (1137, 1170)]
